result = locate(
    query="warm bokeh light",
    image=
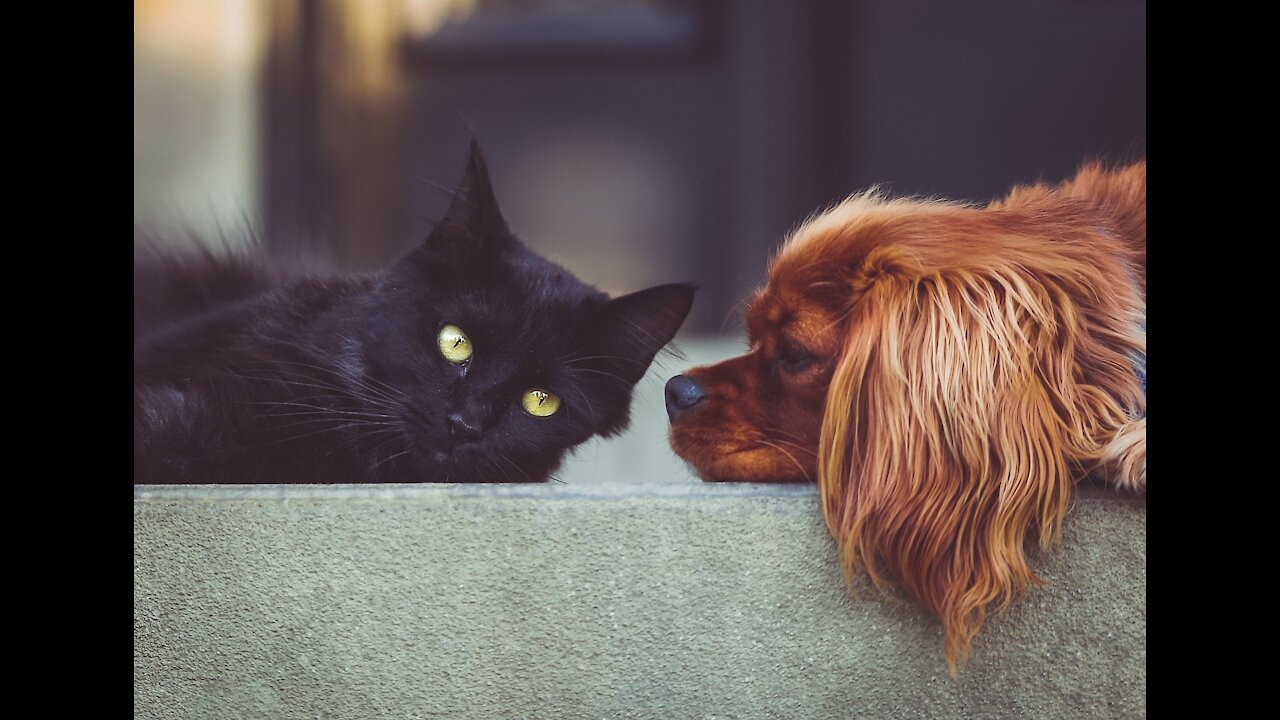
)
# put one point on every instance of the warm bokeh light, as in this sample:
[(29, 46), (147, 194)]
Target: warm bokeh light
[(196, 114), (424, 17), (633, 141)]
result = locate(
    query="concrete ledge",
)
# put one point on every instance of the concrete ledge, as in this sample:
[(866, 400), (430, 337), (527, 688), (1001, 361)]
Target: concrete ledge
[(609, 601)]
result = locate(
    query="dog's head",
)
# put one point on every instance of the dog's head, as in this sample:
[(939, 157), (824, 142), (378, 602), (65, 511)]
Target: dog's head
[(945, 373)]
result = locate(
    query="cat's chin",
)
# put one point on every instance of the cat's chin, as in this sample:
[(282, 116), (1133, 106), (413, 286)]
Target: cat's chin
[(459, 455), (464, 463)]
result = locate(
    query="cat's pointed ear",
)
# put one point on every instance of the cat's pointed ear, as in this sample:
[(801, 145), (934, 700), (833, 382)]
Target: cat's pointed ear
[(636, 326), (473, 222)]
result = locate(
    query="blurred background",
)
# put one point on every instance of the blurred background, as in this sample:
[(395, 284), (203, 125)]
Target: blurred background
[(633, 141)]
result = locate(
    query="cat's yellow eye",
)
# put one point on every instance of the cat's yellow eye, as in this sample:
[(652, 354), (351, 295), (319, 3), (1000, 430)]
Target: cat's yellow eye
[(455, 346), (540, 403)]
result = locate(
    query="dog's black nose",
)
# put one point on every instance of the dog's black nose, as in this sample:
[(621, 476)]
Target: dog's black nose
[(682, 394)]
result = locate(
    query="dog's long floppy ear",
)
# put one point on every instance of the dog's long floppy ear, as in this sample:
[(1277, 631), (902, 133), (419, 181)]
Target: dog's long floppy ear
[(954, 429)]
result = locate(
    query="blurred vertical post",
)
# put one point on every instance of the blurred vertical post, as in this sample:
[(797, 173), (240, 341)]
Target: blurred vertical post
[(334, 102), (195, 118)]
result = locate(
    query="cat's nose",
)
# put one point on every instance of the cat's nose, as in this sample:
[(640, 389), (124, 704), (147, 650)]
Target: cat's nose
[(463, 427), (682, 394)]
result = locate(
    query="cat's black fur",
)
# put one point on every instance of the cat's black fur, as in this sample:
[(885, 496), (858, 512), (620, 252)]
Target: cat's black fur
[(245, 375)]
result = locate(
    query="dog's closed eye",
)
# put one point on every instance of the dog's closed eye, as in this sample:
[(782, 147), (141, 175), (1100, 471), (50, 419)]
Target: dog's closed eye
[(793, 357)]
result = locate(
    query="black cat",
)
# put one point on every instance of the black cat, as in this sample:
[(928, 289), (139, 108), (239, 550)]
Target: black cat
[(470, 359)]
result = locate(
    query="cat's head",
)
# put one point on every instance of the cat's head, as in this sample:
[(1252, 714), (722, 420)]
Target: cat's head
[(495, 360)]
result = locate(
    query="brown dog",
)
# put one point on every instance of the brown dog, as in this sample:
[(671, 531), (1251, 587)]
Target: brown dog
[(947, 373)]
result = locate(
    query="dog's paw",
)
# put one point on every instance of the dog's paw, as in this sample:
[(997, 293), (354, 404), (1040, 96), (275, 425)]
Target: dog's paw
[(1125, 457)]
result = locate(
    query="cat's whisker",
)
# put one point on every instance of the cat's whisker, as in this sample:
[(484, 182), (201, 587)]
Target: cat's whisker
[(301, 402), (619, 378), (286, 381), (340, 414), (524, 473), (389, 458), (343, 393), (358, 406), (367, 429), (385, 391), (295, 438), (674, 351), (642, 331), (315, 408), (394, 440), (343, 424), (576, 360), (590, 410), (506, 476), (378, 419), (292, 368)]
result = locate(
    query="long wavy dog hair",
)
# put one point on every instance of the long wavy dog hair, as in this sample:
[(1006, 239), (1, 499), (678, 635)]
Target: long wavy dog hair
[(990, 360)]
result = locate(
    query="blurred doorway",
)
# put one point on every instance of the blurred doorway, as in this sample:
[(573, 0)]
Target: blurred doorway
[(633, 141)]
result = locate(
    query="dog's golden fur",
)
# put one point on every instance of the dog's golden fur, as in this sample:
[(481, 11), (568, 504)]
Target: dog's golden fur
[(947, 373)]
